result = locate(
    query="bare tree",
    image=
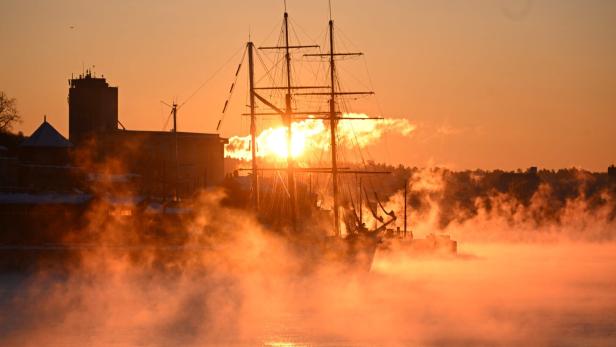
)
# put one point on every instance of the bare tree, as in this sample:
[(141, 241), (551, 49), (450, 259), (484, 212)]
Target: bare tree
[(8, 113)]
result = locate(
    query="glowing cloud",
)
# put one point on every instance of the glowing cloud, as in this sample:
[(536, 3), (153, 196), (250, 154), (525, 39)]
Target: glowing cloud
[(313, 134)]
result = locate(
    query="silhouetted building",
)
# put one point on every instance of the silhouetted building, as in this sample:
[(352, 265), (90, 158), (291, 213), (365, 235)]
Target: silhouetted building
[(150, 155), (611, 172), (44, 161), (92, 108), (46, 146)]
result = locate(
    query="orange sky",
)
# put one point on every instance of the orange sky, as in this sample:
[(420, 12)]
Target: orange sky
[(489, 84)]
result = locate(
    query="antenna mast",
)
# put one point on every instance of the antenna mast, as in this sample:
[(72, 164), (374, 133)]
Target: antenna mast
[(174, 112), (174, 109)]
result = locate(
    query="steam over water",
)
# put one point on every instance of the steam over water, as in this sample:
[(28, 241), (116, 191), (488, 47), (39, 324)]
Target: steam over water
[(556, 294), (526, 274)]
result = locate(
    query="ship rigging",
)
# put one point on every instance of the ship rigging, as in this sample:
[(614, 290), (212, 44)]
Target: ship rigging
[(332, 91)]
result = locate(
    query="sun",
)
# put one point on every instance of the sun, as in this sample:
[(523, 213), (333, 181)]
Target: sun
[(311, 136), (273, 141)]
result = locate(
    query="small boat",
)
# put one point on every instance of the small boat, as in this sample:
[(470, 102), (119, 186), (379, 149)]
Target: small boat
[(432, 244)]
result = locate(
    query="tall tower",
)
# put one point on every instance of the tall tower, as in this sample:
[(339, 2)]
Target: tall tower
[(92, 108)]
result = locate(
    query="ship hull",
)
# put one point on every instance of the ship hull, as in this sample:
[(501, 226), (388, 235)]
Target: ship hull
[(353, 253)]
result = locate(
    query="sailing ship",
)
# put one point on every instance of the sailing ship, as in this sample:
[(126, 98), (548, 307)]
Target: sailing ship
[(356, 246)]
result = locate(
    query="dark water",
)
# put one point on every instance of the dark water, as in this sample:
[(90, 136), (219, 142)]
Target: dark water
[(492, 295)]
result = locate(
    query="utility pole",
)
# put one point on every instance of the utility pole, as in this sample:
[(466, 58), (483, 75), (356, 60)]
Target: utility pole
[(253, 129), (405, 203)]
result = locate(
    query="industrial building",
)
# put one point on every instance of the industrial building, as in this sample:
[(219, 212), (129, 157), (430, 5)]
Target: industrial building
[(160, 164), (92, 108), (165, 163), (151, 155)]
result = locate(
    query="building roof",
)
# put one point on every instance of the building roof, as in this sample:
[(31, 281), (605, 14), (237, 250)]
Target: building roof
[(170, 134), (46, 136)]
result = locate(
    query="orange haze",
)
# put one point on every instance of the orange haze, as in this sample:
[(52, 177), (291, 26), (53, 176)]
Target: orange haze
[(489, 84)]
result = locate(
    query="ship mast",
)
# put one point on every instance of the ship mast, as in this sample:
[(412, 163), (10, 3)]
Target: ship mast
[(333, 120), (287, 114), (333, 124), (288, 120), (253, 128), (334, 116)]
